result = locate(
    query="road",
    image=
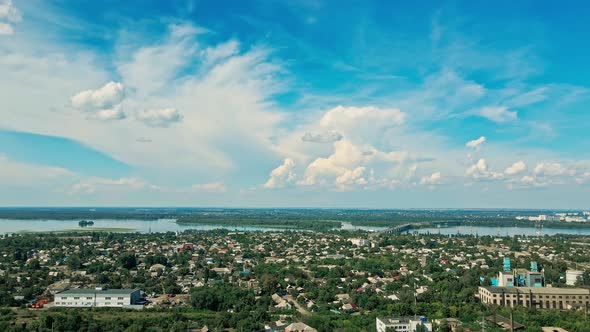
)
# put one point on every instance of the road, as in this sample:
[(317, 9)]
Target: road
[(299, 307)]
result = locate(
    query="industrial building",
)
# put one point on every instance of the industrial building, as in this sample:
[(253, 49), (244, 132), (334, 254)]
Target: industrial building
[(98, 297), (538, 297), (403, 324), (519, 277)]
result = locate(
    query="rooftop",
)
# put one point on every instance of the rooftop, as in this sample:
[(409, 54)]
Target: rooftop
[(398, 320), (537, 290), (75, 291)]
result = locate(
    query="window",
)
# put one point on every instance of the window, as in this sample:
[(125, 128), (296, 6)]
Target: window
[(107, 298), (120, 298), (76, 297), (64, 298), (89, 298)]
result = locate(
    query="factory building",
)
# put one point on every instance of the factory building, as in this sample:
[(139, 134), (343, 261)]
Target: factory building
[(538, 297), (82, 297), (519, 277)]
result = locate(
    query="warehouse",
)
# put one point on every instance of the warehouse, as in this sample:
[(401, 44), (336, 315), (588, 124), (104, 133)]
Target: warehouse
[(99, 297)]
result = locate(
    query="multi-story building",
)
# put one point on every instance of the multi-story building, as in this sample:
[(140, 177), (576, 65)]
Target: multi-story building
[(538, 297), (81, 297), (403, 324)]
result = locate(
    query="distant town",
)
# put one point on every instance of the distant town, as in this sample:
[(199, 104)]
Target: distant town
[(332, 280), (559, 216)]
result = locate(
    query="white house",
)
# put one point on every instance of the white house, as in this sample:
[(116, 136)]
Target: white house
[(403, 324)]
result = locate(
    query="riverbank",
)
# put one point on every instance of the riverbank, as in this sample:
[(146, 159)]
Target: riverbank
[(83, 230)]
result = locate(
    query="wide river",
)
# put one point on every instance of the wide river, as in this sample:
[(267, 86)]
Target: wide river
[(8, 226), (169, 225)]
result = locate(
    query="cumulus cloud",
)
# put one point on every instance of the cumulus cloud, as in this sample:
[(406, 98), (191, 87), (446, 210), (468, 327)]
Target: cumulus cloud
[(159, 117), (103, 104), (516, 168), (476, 143), (8, 14), (480, 170), (215, 187), (115, 113), (105, 97), (498, 114), (431, 180), (347, 165), (354, 176), (282, 175), (324, 137), (526, 182), (552, 169)]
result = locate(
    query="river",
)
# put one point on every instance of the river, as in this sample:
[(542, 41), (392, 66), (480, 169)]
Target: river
[(8, 226)]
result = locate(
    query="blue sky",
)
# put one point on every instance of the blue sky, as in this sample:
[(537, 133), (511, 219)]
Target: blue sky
[(388, 104)]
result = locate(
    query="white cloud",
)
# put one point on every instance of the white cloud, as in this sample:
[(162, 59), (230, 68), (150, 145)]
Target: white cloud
[(18, 174), (347, 165), (95, 184), (499, 114), (476, 143), (220, 52), (341, 117), (214, 187), (350, 177), (480, 170), (516, 168), (6, 29), (115, 113), (8, 14), (282, 175), (159, 117), (552, 169), (525, 182), (106, 97), (232, 96), (433, 179), (324, 137), (149, 69)]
